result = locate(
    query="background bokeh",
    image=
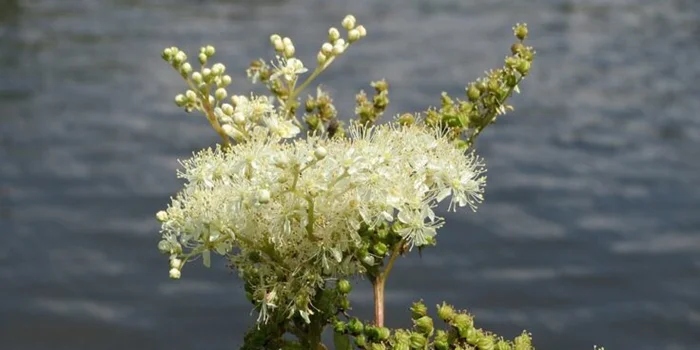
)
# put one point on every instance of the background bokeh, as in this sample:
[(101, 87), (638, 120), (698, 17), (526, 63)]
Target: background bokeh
[(590, 233)]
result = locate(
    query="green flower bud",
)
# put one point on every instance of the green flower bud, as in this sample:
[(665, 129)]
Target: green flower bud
[(446, 312), (520, 31), (202, 58), (340, 327), (511, 81), (203, 88), (524, 67), (377, 346), (424, 325), (407, 119), (418, 341), (355, 327), (473, 336), (361, 340), (179, 58), (380, 249), (321, 58), (473, 92), (167, 54), (503, 345), (441, 341), (487, 342), (344, 286), (517, 48), (418, 310), (371, 332), (383, 333), (344, 304), (523, 342)]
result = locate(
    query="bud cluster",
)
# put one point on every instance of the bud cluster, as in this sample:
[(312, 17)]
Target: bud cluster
[(486, 97), (460, 333), (368, 112)]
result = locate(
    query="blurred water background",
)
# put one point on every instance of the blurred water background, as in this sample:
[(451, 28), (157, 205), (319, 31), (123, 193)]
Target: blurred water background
[(590, 233)]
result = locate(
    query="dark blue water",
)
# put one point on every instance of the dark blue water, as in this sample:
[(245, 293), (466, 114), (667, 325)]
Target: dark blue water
[(590, 233)]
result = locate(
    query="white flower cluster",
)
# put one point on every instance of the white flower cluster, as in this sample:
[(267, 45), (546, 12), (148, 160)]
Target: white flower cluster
[(299, 204)]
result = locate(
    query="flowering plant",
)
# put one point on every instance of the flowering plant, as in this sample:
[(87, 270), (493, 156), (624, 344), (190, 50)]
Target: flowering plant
[(297, 217)]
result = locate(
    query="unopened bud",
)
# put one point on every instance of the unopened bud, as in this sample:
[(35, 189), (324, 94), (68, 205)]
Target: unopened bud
[(220, 94), (348, 22), (353, 35), (320, 152), (218, 69), (209, 50), (361, 29), (418, 310), (175, 273), (263, 196), (333, 34)]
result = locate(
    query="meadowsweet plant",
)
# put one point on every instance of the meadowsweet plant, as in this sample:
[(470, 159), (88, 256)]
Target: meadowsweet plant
[(300, 198)]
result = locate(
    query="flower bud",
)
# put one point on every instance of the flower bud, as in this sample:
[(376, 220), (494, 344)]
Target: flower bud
[(287, 41), (473, 336), (220, 94), (320, 152), (424, 325), (186, 68), (225, 80), (333, 34), (202, 58), (278, 45), (503, 345), (206, 73), (289, 51), (524, 67), (218, 69), (418, 341), (344, 286), (175, 273), (164, 247), (175, 263), (162, 216), (441, 340), (368, 260), (407, 119), (473, 92), (321, 58), (371, 332), (361, 29), (340, 327), (377, 346), (232, 132), (348, 22), (462, 322), (327, 48), (338, 49), (520, 31), (227, 109), (275, 37), (180, 101), (179, 58), (263, 196), (487, 342), (383, 333), (380, 249), (209, 50), (167, 54), (418, 310), (197, 77), (191, 96), (353, 35), (517, 48), (446, 312), (355, 327), (523, 342), (361, 340)]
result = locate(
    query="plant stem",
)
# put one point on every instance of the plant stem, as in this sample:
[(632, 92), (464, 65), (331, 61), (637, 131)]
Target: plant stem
[(379, 282)]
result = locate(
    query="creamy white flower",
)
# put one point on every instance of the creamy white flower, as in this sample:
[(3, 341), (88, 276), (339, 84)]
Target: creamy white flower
[(288, 68)]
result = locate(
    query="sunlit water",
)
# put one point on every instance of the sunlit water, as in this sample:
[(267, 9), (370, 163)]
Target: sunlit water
[(590, 233)]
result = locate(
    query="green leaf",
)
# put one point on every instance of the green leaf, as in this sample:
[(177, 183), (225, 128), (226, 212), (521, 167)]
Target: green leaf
[(341, 341)]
